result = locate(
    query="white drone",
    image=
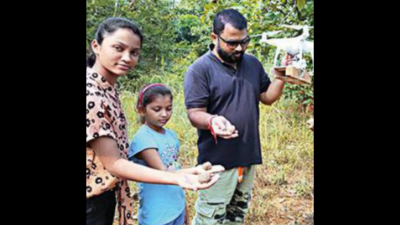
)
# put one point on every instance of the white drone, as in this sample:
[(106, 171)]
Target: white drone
[(295, 46)]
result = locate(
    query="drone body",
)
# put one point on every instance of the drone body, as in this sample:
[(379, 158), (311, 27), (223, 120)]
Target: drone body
[(295, 46)]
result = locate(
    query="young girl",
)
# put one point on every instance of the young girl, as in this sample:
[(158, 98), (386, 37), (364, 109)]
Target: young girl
[(157, 147), (116, 50)]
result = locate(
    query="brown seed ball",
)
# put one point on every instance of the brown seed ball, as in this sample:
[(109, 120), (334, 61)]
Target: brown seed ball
[(230, 129), (207, 166), (204, 178)]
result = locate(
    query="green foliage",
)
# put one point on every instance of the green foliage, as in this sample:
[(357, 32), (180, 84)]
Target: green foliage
[(176, 34)]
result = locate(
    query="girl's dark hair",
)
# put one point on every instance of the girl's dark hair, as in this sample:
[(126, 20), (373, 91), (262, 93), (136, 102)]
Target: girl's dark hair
[(148, 93), (108, 27)]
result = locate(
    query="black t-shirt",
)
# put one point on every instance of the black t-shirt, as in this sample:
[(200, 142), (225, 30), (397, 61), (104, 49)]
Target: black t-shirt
[(234, 94)]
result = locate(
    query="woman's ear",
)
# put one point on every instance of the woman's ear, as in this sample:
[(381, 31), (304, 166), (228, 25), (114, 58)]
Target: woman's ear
[(95, 47)]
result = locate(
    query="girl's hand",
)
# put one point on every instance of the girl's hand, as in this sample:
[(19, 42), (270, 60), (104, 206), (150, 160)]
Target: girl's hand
[(190, 181)]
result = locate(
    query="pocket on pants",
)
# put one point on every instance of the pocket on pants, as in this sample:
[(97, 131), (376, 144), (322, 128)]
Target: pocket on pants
[(208, 209)]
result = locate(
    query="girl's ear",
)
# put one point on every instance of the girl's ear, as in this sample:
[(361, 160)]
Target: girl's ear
[(141, 111)]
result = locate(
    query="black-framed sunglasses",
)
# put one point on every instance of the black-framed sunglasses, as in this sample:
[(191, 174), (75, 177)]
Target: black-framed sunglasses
[(234, 44)]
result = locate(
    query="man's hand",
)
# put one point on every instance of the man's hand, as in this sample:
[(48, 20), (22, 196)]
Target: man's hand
[(310, 123), (223, 128)]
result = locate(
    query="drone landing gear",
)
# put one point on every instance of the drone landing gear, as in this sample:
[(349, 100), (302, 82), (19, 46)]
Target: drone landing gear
[(292, 74)]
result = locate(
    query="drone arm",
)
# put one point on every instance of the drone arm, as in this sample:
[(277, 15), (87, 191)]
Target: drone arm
[(276, 55)]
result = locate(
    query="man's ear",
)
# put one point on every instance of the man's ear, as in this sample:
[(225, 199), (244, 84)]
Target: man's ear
[(214, 38)]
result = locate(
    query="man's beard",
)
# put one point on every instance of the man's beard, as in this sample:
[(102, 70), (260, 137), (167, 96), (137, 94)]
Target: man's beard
[(229, 58)]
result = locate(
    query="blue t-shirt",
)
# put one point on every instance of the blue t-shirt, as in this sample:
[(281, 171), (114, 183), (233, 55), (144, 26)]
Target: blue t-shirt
[(158, 204)]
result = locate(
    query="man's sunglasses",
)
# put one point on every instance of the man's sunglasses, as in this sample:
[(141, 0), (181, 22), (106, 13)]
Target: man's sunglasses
[(234, 44)]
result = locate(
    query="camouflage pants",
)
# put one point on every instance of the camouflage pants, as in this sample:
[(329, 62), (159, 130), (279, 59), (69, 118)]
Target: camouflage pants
[(227, 202)]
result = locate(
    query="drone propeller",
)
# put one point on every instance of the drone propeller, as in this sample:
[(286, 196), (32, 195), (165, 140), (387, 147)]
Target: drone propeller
[(297, 27), (269, 33)]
